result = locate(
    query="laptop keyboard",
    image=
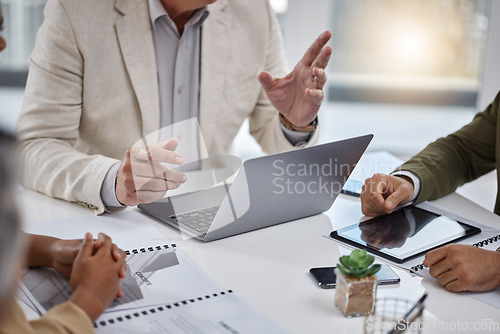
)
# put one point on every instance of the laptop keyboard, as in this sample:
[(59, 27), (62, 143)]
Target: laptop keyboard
[(198, 220)]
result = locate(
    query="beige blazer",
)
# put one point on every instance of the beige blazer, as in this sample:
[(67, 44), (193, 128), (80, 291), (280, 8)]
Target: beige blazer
[(92, 89)]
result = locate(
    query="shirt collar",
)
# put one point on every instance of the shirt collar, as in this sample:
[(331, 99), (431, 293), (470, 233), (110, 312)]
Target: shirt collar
[(157, 10)]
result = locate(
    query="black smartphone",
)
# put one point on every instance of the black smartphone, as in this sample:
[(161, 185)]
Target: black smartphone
[(325, 277)]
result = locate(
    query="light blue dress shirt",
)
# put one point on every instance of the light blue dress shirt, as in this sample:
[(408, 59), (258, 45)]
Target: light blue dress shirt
[(177, 63)]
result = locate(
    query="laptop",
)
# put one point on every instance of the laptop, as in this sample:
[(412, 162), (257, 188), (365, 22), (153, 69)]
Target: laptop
[(266, 191)]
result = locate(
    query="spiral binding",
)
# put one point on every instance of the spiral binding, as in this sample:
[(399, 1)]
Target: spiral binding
[(155, 309), (487, 241), (418, 267), (481, 243), (149, 249)]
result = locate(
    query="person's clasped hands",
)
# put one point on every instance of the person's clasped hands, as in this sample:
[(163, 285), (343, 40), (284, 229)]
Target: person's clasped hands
[(95, 268)]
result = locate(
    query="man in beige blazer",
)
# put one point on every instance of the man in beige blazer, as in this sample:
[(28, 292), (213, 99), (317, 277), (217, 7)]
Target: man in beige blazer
[(93, 91)]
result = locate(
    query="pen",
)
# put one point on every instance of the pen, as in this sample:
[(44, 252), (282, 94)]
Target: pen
[(409, 316)]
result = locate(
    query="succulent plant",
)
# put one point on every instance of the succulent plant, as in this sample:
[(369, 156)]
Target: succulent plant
[(358, 264)]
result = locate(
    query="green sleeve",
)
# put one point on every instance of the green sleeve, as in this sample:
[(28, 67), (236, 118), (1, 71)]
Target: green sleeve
[(461, 157)]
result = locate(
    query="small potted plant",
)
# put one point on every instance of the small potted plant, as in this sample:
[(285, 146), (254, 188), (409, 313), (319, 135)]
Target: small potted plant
[(356, 284)]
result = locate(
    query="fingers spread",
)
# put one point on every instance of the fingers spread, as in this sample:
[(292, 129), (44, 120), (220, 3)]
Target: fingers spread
[(315, 49), (266, 80), (319, 77), (324, 58), (316, 95)]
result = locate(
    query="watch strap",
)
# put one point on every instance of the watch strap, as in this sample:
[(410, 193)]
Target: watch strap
[(290, 126)]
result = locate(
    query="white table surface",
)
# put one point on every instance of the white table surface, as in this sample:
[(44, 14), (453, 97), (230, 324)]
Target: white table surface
[(269, 268)]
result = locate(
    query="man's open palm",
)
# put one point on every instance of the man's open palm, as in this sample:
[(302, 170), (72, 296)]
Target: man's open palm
[(299, 95)]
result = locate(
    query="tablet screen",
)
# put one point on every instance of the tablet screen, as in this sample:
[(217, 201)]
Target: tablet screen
[(404, 234)]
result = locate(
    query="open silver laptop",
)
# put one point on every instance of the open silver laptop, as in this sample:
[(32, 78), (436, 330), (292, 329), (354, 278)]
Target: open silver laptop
[(266, 191)]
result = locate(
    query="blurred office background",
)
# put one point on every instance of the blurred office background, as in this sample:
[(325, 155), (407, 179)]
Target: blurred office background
[(407, 71)]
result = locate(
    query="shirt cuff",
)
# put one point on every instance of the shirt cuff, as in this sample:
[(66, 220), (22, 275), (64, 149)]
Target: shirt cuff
[(108, 193), (297, 139), (414, 178)]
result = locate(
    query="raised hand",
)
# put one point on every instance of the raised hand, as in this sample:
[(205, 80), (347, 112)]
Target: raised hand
[(299, 95)]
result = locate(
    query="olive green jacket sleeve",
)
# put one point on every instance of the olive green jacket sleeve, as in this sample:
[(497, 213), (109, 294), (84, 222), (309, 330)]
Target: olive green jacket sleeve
[(64, 318), (460, 157)]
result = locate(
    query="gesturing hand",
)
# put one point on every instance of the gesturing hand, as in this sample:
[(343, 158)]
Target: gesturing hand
[(382, 193), (299, 95), (142, 178), (464, 268), (95, 278)]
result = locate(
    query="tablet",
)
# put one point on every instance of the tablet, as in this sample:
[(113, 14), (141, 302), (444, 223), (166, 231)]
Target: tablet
[(404, 234)]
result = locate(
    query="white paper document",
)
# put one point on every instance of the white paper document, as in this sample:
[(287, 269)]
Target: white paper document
[(153, 277), (218, 313)]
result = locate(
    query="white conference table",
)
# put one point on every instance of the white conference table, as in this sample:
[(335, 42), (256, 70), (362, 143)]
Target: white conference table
[(269, 268)]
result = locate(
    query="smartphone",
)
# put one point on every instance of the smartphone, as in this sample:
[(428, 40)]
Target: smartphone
[(325, 277)]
